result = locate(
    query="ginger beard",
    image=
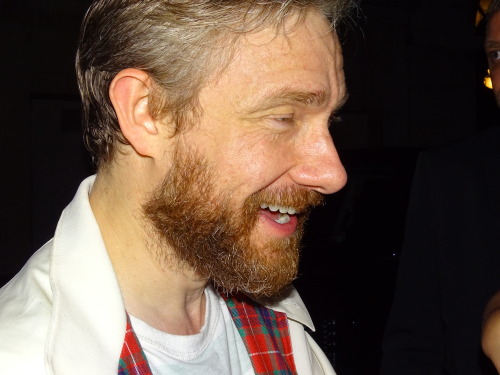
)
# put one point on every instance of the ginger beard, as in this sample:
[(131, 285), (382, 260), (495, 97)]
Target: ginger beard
[(208, 233)]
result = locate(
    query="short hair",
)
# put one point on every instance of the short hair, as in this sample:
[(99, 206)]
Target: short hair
[(493, 8), (176, 42)]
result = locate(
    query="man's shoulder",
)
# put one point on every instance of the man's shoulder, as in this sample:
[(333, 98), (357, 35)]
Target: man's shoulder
[(468, 163), (469, 150), (25, 311), (32, 279)]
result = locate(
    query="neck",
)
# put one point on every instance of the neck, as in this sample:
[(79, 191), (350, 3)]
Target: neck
[(164, 294)]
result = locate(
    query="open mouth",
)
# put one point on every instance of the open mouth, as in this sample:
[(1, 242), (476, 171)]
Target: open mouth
[(280, 214)]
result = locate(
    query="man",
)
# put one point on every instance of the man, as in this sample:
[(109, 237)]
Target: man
[(491, 330), (491, 327), (208, 121), (450, 261)]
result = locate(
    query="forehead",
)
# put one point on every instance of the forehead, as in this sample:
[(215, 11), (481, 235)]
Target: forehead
[(303, 56), (493, 31)]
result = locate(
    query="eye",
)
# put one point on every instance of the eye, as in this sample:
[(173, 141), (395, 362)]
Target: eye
[(283, 118), (493, 56)]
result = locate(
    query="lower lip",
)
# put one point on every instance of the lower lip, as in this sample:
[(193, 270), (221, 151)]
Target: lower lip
[(279, 230)]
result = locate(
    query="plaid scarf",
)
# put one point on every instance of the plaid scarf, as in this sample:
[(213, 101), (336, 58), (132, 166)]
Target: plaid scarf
[(132, 360), (264, 332)]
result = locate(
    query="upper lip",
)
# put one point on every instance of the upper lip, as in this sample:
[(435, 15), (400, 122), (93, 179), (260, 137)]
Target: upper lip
[(281, 209)]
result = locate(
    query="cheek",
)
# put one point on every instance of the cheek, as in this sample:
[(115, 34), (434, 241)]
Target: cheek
[(495, 79), (253, 164)]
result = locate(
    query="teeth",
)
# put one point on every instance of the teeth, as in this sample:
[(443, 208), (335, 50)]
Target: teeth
[(281, 209), (283, 219)]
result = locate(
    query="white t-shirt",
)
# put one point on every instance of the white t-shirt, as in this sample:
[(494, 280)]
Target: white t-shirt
[(218, 349)]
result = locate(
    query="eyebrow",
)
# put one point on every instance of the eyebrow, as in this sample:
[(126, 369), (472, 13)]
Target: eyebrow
[(286, 96), (492, 44)]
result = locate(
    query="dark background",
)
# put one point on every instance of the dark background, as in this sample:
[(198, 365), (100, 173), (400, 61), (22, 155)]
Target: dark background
[(414, 71)]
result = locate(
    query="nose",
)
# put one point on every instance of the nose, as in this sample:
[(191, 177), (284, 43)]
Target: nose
[(318, 164)]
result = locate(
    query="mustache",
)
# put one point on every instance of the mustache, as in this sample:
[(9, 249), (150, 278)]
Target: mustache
[(300, 198)]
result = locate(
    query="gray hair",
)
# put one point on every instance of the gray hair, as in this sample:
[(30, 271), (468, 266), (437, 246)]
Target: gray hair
[(179, 43)]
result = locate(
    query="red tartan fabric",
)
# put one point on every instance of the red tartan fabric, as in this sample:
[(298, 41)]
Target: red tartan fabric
[(132, 359), (264, 332)]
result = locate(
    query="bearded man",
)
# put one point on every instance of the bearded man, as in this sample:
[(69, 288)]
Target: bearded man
[(208, 123)]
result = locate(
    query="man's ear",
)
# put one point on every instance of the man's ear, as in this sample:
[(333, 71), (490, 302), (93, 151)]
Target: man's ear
[(129, 93)]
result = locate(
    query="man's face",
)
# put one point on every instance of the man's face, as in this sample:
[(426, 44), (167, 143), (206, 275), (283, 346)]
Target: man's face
[(492, 46), (233, 204)]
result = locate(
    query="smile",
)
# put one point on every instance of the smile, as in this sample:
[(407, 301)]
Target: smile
[(283, 213)]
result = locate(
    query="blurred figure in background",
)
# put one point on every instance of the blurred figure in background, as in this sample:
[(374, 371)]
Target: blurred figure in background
[(450, 263), (491, 333), (491, 330)]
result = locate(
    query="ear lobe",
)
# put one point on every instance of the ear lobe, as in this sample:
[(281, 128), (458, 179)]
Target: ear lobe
[(129, 94)]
